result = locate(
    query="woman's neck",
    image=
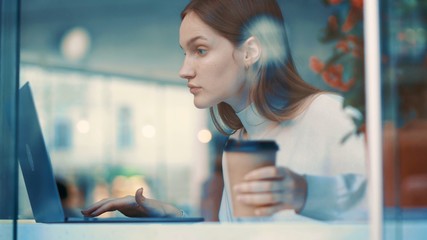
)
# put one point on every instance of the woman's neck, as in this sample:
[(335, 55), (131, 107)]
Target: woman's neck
[(254, 124)]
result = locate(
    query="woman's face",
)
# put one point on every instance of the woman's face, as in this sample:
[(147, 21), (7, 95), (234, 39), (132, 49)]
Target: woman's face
[(213, 67)]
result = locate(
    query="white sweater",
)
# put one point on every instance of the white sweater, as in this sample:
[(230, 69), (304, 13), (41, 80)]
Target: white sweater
[(311, 144)]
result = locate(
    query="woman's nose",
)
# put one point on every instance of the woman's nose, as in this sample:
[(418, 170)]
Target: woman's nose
[(187, 70)]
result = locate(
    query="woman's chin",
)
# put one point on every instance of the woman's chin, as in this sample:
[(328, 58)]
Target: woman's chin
[(202, 105)]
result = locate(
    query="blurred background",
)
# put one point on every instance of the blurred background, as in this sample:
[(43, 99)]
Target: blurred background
[(116, 116)]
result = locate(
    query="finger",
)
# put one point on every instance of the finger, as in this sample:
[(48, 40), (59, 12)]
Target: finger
[(269, 172), (260, 199), (96, 211), (109, 206), (270, 210), (149, 207), (95, 206), (259, 186), (139, 197), (102, 209)]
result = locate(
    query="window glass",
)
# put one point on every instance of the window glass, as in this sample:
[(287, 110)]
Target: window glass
[(116, 116), (404, 89)]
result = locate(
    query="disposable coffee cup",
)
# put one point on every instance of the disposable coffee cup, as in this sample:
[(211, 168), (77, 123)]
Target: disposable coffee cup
[(241, 157)]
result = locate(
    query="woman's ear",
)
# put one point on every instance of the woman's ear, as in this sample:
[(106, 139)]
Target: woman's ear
[(252, 50)]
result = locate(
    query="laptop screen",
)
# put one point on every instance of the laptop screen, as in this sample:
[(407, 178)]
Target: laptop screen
[(35, 163)]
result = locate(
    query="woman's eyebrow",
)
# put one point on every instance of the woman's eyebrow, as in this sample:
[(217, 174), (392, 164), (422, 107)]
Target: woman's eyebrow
[(193, 39)]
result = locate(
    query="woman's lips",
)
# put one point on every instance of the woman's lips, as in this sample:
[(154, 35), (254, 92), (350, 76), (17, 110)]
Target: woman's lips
[(194, 89)]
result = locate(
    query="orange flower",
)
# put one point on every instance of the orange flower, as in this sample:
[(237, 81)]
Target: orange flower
[(333, 76), (353, 17), (343, 46), (357, 3), (316, 65), (351, 44), (345, 86), (356, 46), (334, 2)]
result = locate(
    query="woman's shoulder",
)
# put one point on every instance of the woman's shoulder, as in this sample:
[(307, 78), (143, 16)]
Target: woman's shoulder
[(326, 99), (328, 108), (328, 103), (323, 103)]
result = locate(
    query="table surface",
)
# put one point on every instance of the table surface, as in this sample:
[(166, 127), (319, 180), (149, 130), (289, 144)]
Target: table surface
[(28, 229)]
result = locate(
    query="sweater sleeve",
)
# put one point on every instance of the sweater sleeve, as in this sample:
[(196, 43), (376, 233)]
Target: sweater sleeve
[(341, 197), (341, 193)]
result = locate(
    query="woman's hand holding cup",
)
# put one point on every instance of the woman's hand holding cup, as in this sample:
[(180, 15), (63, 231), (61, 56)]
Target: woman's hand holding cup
[(271, 189)]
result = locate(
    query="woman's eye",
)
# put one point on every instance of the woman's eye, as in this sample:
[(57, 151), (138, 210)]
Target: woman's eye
[(201, 51)]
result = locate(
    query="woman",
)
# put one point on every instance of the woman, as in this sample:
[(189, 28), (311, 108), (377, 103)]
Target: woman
[(238, 64)]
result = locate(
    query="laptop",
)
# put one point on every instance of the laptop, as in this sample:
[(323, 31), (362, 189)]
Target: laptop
[(39, 177)]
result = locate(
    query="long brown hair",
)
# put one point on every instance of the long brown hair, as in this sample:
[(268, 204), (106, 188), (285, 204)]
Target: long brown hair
[(278, 92)]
